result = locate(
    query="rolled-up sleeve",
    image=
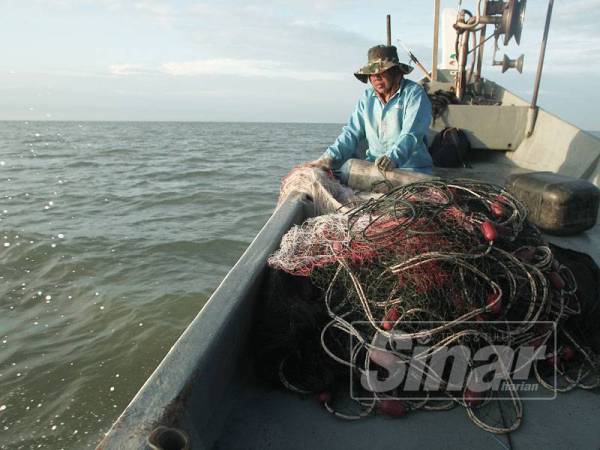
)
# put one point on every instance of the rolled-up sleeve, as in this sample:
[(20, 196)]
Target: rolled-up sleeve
[(345, 145), (415, 127)]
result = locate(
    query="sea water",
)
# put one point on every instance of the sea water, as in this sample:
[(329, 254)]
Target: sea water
[(112, 237)]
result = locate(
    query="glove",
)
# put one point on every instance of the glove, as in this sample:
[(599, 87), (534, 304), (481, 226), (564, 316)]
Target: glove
[(324, 163), (384, 163)]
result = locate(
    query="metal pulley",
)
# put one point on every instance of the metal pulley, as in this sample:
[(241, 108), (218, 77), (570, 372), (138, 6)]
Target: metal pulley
[(508, 63), (512, 13)]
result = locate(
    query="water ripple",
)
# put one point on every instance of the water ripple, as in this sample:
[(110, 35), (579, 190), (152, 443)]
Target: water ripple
[(117, 234)]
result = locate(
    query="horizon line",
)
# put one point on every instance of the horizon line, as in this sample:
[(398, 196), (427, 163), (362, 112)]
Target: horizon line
[(162, 121), (191, 121)]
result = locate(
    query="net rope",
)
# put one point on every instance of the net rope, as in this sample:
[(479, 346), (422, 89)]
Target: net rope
[(443, 263)]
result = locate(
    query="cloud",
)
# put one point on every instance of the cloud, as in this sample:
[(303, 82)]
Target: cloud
[(573, 53), (574, 38), (263, 32), (245, 68), (67, 73), (273, 48), (164, 13), (239, 67), (126, 69), (111, 5), (295, 32), (573, 14)]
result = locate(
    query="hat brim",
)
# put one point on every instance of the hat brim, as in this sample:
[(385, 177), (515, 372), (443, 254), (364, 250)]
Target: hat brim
[(376, 68)]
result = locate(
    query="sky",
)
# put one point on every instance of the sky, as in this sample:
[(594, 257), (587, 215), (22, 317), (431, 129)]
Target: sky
[(273, 60)]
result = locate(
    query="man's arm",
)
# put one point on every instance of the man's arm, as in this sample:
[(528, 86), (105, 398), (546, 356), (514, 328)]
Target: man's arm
[(345, 145), (415, 127)]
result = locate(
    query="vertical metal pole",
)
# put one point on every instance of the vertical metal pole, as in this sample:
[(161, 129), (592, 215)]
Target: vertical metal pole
[(389, 30), (461, 76), (480, 55), (538, 75), (436, 33), (481, 45)]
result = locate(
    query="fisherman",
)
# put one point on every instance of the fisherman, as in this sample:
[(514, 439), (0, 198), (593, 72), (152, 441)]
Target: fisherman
[(392, 115)]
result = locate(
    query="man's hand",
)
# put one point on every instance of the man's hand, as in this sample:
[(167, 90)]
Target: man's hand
[(321, 163), (384, 163)]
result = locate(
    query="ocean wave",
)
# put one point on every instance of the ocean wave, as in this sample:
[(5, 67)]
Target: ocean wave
[(152, 217)]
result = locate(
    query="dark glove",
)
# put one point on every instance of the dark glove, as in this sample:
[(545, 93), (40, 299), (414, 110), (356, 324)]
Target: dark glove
[(324, 163), (384, 163)]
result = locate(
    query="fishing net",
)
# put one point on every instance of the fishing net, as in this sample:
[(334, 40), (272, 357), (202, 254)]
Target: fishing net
[(326, 193), (434, 263)]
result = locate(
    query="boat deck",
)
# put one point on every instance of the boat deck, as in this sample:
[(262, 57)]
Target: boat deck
[(268, 418), (205, 385), (494, 167), (264, 418)]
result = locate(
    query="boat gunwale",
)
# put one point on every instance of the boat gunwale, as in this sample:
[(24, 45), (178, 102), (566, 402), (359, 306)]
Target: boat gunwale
[(225, 318)]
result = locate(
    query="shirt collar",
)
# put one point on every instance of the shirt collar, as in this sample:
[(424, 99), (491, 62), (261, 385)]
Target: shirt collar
[(374, 94)]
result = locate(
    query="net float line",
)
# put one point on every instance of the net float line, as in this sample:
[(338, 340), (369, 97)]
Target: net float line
[(459, 252)]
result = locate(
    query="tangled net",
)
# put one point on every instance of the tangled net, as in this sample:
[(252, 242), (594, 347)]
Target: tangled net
[(436, 263), (326, 193)]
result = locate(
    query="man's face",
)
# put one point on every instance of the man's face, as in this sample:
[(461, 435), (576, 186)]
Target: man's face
[(383, 82)]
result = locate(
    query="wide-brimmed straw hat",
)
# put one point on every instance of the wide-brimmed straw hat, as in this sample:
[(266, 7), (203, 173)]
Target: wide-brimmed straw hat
[(380, 59)]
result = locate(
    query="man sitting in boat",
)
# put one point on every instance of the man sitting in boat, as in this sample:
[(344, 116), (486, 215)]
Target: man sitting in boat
[(393, 115)]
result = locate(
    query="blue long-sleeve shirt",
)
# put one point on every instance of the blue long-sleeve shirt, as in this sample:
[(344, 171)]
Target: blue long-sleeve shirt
[(397, 129)]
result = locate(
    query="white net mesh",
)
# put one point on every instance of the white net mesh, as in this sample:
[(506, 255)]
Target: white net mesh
[(327, 193)]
